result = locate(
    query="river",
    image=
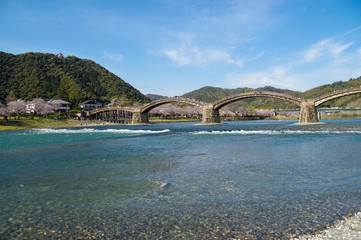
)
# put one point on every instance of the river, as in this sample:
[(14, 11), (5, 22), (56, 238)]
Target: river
[(237, 180)]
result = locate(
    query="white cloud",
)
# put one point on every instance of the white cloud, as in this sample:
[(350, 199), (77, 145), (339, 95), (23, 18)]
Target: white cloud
[(323, 49), (353, 30), (189, 54), (114, 57), (178, 57), (331, 61), (277, 77)]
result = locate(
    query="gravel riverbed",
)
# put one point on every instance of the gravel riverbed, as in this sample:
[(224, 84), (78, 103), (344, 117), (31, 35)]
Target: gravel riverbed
[(348, 229)]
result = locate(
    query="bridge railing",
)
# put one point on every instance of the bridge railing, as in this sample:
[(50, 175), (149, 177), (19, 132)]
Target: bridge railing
[(161, 101), (336, 92), (260, 92), (178, 99), (108, 108)]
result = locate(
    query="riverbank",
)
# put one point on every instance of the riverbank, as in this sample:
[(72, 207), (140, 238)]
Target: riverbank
[(348, 228), (50, 123), (46, 123)]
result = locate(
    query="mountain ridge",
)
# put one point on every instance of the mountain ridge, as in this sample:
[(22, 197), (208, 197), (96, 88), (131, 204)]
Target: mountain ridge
[(44, 75), (212, 94)]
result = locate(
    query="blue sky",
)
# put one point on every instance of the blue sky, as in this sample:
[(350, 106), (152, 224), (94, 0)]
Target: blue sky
[(171, 47)]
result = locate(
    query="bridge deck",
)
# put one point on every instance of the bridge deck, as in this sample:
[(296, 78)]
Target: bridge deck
[(334, 95), (234, 98), (143, 110)]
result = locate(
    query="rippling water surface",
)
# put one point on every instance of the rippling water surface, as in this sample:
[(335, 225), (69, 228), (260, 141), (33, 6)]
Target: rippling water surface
[(254, 180)]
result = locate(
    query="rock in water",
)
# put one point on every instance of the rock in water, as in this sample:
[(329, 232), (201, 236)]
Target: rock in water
[(163, 185)]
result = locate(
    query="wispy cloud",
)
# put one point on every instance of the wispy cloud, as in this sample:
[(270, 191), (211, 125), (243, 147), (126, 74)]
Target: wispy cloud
[(185, 54), (353, 30), (325, 48), (324, 61), (114, 57), (217, 32), (277, 76)]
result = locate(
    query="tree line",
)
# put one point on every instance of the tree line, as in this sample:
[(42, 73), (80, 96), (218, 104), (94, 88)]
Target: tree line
[(20, 107)]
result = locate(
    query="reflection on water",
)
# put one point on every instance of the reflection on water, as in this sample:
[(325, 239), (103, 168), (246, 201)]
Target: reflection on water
[(258, 179)]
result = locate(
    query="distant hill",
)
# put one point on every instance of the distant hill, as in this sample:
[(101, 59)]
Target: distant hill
[(154, 97), (212, 94), (47, 76), (349, 101)]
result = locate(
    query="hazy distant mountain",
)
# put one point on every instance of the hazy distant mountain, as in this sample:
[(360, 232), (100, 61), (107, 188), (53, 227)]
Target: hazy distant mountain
[(154, 97), (40, 75)]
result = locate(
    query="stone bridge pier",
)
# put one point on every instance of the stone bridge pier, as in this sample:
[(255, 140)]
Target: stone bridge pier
[(140, 117), (210, 115), (308, 112)]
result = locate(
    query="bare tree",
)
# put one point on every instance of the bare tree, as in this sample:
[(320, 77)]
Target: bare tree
[(11, 97)]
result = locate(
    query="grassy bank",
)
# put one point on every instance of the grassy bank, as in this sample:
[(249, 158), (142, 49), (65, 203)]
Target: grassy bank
[(42, 123), (345, 115)]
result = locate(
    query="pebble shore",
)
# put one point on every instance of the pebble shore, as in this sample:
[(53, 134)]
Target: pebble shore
[(348, 229)]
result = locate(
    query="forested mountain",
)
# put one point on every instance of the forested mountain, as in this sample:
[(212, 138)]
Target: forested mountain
[(47, 76)]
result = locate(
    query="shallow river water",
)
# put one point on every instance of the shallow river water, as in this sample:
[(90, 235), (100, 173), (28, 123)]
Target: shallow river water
[(237, 180)]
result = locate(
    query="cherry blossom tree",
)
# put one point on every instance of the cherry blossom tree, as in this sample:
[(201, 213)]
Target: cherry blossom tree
[(168, 110), (4, 111), (239, 110), (40, 106), (17, 107)]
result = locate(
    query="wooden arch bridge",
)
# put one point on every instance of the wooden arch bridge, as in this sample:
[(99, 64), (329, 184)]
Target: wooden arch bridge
[(308, 112)]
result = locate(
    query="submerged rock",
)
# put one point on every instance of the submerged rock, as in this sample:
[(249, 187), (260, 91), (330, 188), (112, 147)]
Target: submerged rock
[(164, 185)]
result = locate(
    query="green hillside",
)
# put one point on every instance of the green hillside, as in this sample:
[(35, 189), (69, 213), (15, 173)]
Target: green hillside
[(212, 94), (349, 101), (47, 76)]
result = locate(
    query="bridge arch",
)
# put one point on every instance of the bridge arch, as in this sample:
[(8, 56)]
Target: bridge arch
[(112, 114), (218, 105), (335, 95), (99, 110), (150, 106)]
